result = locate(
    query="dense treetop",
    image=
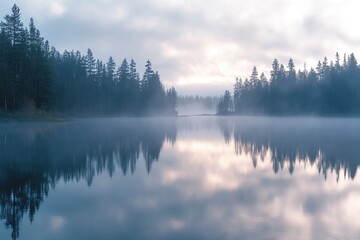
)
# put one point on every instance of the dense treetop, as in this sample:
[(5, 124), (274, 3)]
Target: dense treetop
[(35, 75), (330, 89)]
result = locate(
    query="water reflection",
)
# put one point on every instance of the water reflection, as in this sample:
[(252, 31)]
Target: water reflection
[(330, 144), (34, 157), (203, 180)]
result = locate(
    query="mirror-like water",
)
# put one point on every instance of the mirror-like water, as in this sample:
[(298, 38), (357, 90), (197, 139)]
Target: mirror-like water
[(184, 178)]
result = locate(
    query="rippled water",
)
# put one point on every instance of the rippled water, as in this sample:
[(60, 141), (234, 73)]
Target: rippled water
[(181, 178)]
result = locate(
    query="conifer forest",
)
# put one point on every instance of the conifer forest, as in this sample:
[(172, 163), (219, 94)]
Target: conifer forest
[(35, 75)]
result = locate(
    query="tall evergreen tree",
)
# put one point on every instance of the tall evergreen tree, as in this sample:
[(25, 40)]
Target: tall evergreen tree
[(32, 73), (224, 105), (5, 48), (332, 89), (134, 82), (90, 64), (110, 68), (291, 73), (13, 28), (171, 98)]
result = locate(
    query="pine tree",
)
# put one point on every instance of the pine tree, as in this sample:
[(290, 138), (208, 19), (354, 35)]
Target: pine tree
[(110, 69), (291, 73), (263, 80), (352, 64), (148, 74), (145, 85), (123, 76), (337, 63), (325, 69), (156, 92), (171, 99), (238, 87), (319, 71), (5, 46), (254, 80), (134, 86), (39, 84), (90, 64), (224, 105), (274, 71), (13, 28)]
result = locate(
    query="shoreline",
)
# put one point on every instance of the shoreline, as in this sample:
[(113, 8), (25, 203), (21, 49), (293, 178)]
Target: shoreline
[(43, 116)]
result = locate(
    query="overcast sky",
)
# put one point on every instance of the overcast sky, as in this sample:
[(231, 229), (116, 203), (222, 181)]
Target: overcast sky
[(199, 46)]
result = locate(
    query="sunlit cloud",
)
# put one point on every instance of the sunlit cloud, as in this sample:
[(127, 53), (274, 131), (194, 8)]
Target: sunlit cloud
[(56, 8)]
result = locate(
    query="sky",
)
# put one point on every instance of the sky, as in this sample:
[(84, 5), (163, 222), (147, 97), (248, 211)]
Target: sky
[(199, 46)]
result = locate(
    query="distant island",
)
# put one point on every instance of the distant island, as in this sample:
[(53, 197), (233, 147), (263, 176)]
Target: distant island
[(35, 77), (333, 89)]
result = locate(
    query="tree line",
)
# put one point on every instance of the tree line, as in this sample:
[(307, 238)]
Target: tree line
[(333, 88), (34, 74)]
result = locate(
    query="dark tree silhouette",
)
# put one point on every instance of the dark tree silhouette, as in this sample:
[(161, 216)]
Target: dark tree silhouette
[(171, 98), (35, 76), (224, 106), (332, 89)]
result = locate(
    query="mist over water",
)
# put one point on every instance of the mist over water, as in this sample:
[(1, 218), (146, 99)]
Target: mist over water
[(176, 178), (195, 109), (192, 174)]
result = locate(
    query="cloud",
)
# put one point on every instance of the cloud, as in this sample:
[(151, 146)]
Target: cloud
[(56, 8), (201, 41)]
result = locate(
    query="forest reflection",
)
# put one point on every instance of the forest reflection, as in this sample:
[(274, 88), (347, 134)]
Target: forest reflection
[(332, 145), (35, 156)]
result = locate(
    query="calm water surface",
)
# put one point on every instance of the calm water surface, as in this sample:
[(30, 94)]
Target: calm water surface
[(181, 178)]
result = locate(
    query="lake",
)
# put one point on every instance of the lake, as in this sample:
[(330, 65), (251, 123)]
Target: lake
[(181, 178)]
